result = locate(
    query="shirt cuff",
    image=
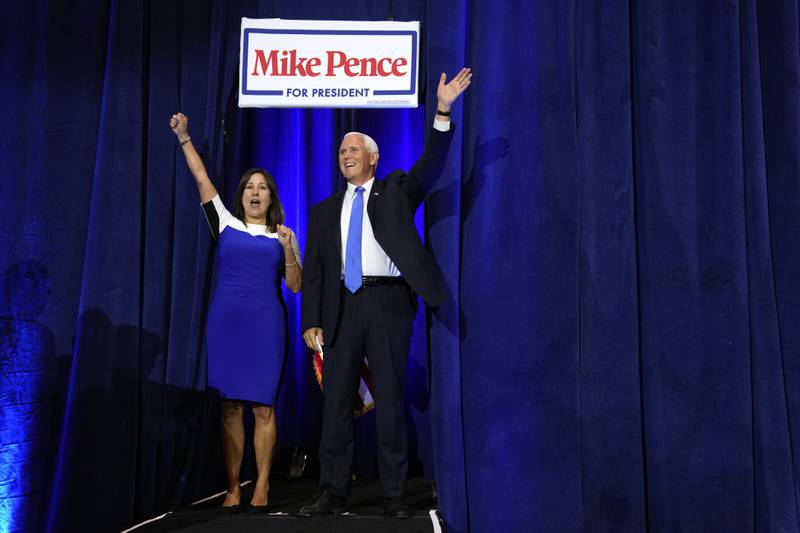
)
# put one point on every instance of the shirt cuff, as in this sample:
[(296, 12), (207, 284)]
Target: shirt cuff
[(441, 125)]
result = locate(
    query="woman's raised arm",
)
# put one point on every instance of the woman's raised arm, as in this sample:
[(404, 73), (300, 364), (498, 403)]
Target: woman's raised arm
[(179, 123)]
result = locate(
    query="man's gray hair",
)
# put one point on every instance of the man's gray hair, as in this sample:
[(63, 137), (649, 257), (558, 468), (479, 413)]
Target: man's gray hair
[(369, 142)]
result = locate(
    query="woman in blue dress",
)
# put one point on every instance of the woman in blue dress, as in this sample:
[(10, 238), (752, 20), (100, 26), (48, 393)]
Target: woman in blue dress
[(246, 330)]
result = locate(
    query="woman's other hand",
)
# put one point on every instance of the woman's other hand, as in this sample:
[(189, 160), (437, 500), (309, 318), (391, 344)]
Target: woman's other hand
[(284, 235)]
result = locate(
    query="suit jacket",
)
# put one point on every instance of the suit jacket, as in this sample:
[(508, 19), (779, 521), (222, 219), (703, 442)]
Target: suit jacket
[(390, 208)]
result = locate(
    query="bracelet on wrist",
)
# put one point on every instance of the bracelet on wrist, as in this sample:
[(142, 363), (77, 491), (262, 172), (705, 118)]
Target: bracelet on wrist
[(290, 265), (443, 113), (186, 140)]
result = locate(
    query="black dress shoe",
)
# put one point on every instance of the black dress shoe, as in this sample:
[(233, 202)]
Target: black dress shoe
[(325, 503), (256, 509), (396, 508)]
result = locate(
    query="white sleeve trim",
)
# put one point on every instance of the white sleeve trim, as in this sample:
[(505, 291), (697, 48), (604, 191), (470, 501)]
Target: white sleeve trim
[(441, 125)]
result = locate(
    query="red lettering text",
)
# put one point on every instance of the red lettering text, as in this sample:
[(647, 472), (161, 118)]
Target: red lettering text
[(366, 66), (288, 63)]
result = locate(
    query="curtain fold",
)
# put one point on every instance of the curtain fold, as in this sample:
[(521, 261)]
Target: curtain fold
[(775, 475), (610, 403), (772, 188), (692, 274), (446, 51)]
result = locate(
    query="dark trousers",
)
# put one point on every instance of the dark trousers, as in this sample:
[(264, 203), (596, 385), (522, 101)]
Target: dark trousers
[(376, 322)]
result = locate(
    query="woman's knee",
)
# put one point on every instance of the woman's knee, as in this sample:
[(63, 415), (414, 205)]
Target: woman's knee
[(263, 413), (232, 409)]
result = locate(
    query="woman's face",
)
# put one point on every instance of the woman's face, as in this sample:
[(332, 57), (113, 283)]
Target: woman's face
[(256, 199)]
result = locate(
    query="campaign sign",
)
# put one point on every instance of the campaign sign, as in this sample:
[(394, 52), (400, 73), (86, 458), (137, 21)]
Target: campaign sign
[(324, 63)]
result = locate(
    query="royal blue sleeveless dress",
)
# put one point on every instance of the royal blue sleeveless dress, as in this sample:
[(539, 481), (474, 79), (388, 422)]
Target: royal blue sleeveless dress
[(246, 330)]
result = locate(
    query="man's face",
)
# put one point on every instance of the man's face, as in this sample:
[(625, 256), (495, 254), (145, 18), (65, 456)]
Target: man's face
[(356, 164)]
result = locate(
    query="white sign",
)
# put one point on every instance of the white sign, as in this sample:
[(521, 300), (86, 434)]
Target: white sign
[(325, 63)]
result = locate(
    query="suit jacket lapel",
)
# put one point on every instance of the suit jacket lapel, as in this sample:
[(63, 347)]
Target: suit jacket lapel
[(337, 222), (377, 189)]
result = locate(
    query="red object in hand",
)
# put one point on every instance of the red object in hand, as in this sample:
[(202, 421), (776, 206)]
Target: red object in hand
[(364, 400)]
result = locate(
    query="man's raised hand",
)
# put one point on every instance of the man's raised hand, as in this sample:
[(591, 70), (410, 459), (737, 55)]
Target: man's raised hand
[(447, 93)]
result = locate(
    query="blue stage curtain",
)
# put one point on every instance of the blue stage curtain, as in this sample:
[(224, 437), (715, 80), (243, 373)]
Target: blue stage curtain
[(106, 259), (620, 236), (617, 226)]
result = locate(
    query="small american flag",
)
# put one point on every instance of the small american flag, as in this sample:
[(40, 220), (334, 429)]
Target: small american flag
[(364, 400)]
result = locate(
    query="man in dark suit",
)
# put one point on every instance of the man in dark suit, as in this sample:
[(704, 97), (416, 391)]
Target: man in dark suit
[(364, 262)]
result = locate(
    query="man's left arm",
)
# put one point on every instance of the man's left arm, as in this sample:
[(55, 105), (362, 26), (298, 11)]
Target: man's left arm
[(428, 168)]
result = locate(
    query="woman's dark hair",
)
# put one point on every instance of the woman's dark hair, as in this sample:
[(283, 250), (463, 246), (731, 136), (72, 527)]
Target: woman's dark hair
[(275, 214)]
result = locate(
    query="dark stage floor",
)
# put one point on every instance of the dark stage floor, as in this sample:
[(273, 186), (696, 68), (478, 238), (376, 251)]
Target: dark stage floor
[(286, 497)]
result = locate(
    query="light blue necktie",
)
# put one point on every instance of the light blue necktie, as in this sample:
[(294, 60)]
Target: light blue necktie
[(352, 257)]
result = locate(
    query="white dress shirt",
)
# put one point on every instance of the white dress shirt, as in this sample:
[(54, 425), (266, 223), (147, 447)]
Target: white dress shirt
[(374, 261)]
